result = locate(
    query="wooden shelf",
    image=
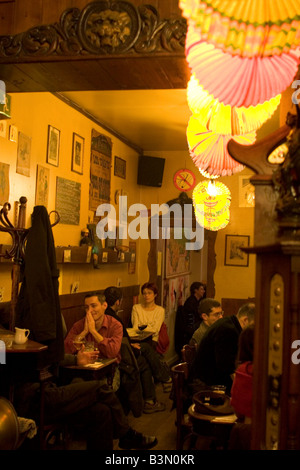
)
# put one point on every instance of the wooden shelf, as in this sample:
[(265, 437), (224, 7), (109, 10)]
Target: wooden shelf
[(73, 254), (83, 255)]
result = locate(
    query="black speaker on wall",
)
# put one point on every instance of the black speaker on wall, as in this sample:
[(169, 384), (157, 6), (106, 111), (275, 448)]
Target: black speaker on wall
[(150, 171)]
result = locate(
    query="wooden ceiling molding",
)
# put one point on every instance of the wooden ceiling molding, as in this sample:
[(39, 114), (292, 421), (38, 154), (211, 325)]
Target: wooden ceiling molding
[(107, 45)]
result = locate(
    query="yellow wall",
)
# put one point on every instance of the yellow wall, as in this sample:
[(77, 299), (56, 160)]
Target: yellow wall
[(32, 113)]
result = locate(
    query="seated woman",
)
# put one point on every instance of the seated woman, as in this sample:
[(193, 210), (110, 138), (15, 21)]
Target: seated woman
[(153, 315)]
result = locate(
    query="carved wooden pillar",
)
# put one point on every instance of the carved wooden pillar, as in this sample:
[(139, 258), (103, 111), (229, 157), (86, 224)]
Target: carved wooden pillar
[(276, 388)]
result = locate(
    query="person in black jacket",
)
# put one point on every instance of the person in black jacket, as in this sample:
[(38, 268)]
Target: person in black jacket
[(191, 318), (215, 361)]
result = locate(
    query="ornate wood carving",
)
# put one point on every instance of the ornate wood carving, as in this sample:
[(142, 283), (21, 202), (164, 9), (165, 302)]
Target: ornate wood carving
[(101, 28)]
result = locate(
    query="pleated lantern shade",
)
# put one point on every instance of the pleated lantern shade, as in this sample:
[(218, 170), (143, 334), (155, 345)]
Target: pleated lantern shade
[(211, 203), (238, 81), (225, 119), (208, 149), (248, 28)]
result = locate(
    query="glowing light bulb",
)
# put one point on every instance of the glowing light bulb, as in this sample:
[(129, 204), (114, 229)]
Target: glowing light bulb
[(211, 188)]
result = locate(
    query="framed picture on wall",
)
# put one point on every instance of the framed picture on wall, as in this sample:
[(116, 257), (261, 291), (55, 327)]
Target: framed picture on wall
[(177, 259), (77, 153), (120, 167), (234, 256), (42, 186), (53, 145)]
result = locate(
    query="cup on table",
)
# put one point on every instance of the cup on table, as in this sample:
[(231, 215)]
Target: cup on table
[(90, 347), (78, 343), (142, 326), (219, 389), (21, 335)]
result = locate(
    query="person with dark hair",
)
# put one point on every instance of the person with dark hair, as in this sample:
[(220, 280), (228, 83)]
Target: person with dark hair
[(148, 312), (153, 315), (190, 309), (113, 297), (209, 311), (215, 361), (96, 327)]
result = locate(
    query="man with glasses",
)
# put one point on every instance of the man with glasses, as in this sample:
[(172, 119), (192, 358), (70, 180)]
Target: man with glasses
[(209, 311), (215, 361)]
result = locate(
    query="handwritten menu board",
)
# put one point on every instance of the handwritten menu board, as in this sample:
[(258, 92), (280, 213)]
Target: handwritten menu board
[(68, 201)]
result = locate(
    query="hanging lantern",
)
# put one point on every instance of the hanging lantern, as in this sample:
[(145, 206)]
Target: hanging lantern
[(238, 81), (208, 150), (225, 119), (248, 28), (211, 201)]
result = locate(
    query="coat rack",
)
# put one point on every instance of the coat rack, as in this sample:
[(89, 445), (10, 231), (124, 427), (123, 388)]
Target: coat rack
[(17, 250)]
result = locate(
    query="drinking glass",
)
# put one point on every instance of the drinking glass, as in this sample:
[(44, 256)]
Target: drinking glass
[(141, 326), (78, 343)]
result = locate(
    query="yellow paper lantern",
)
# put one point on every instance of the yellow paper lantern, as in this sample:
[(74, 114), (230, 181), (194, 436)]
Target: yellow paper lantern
[(211, 201), (247, 28)]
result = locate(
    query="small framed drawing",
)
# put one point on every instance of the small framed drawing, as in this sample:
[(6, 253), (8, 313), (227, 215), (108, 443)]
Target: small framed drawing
[(234, 256), (120, 167), (53, 145), (77, 154)]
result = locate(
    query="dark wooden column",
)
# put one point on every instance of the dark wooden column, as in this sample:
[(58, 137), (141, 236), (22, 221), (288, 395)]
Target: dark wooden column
[(276, 388)]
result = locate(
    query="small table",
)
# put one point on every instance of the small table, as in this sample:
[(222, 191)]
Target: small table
[(137, 336), (101, 368), (217, 427), (21, 360)]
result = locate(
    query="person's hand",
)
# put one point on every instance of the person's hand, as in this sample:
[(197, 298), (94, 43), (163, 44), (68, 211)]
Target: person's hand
[(136, 345), (90, 323), (86, 357)]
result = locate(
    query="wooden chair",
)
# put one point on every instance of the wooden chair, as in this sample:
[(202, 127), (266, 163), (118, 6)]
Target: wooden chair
[(188, 354), (208, 428), (180, 374)]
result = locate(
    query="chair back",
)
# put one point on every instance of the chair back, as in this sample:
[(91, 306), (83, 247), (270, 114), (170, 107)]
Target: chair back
[(180, 374), (188, 354)]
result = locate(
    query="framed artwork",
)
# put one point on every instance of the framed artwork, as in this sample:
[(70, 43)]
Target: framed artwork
[(53, 145), (3, 128), (120, 167), (246, 192), (177, 256), (77, 153), (13, 133), (42, 186), (4, 185), (23, 155), (234, 256)]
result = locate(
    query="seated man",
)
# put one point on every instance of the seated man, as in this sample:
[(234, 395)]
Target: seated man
[(103, 330), (209, 310), (215, 362), (113, 296)]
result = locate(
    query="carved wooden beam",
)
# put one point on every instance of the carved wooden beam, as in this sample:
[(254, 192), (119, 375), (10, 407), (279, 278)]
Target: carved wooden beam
[(102, 28)]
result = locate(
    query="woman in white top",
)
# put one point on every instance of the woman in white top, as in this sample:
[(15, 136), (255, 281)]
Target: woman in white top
[(152, 315), (148, 313)]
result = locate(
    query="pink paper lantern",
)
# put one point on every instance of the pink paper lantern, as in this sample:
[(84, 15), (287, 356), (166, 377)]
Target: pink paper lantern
[(238, 81)]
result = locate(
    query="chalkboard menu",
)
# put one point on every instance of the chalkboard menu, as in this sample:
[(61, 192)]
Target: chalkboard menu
[(68, 201)]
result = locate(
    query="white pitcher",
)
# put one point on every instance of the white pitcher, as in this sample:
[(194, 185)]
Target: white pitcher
[(21, 335)]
